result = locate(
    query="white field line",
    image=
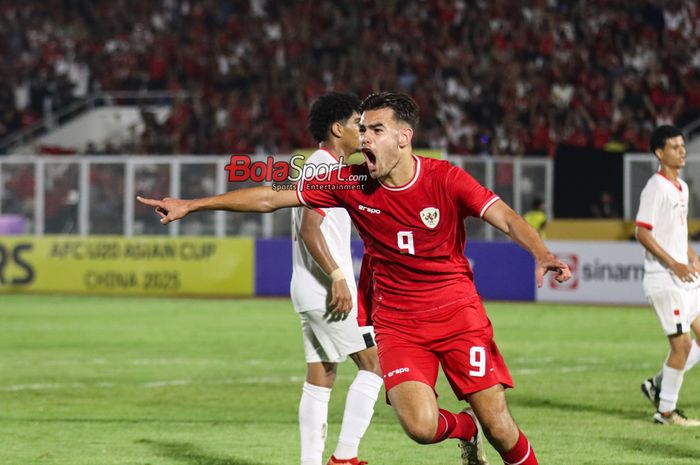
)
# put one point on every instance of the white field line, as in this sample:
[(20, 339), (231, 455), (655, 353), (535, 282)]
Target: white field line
[(146, 362), (280, 379), (158, 384), (174, 382), (577, 368)]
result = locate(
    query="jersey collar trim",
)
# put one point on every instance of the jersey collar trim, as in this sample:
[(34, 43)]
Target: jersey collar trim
[(410, 183), (678, 186), (329, 153)]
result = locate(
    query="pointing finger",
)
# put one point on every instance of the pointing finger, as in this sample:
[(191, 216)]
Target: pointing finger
[(151, 202)]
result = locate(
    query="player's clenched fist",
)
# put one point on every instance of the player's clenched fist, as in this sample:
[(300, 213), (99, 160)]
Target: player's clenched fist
[(551, 263)]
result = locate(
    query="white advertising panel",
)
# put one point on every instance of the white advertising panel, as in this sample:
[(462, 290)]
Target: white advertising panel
[(602, 272)]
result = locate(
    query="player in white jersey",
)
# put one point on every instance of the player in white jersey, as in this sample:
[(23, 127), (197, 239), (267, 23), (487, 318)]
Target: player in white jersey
[(324, 294), (310, 283), (671, 269)]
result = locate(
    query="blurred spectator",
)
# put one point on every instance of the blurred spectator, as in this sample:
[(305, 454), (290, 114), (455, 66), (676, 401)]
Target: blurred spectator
[(605, 207), (61, 199), (498, 77), (537, 216), (106, 199)]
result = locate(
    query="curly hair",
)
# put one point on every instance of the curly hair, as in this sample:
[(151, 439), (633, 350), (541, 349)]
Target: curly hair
[(329, 109)]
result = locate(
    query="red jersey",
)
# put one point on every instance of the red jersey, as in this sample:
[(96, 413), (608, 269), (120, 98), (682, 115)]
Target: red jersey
[(414, 234)]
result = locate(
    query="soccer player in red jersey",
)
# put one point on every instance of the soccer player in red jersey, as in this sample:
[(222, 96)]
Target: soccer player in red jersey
[(425, 308)]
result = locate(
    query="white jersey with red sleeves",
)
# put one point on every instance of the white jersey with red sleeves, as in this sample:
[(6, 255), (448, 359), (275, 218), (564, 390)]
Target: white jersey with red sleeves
[(310, 286), (663, 209), (414, 234)]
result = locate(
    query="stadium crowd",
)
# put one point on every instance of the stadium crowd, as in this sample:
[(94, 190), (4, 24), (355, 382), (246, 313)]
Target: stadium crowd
[(497, 76)]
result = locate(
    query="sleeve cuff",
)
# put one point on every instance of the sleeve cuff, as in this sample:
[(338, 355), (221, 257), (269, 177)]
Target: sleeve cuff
[(487, 205), (300, 197), (644, 225)]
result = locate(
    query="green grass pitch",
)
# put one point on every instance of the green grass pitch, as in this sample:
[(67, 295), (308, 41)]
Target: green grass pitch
[(98, 381)]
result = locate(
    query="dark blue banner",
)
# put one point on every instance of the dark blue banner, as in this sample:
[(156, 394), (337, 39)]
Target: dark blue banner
[(273, 267), (502, 270)]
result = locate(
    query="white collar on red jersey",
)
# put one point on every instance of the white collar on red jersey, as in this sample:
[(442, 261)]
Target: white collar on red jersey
[(407, 185)]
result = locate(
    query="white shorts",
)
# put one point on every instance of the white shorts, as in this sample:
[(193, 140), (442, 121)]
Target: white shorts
[(333, 341), (676, 307)]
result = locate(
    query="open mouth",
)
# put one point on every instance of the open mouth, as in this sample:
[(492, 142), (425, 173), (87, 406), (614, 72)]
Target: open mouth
[(371, 159)]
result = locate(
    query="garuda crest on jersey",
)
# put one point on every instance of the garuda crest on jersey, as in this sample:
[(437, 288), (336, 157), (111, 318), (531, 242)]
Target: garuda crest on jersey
[(430, 217)]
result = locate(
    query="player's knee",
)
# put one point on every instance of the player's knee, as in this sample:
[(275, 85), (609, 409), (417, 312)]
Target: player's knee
[(321, 374), (501, 431), (420, 433), (681, 345), (419, 426), (371, 364), (367, 360), (687, 345)]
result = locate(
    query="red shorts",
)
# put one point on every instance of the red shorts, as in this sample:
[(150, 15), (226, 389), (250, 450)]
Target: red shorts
[(457, 336)]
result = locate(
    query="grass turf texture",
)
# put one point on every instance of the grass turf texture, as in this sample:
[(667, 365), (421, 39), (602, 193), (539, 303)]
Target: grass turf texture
[(217, 382)]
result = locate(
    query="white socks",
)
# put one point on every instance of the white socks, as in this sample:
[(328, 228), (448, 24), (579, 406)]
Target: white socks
[(313, 418), (693, 359), (693, 356), (670, 387), (359, 408)]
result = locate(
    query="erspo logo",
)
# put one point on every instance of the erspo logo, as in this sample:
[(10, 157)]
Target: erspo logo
[(398, 371), (374, 211)]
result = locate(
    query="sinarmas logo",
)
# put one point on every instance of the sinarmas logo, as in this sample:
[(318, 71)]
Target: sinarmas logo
[(242, 168), (595, 270)]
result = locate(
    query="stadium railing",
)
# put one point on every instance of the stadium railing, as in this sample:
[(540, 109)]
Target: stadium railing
[(95, 194)]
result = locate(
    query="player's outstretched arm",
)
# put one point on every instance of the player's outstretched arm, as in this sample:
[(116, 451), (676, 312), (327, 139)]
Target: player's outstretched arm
[(503, 217), (684, 272), (310, 232), (261, 199)]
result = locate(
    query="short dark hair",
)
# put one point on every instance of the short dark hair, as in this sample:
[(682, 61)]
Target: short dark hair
[(660, 135), (405, 108), (329, 109)]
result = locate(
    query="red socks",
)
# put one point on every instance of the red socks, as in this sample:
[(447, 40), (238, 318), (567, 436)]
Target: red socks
[(521, 453), (454, 425), (462, 426)]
